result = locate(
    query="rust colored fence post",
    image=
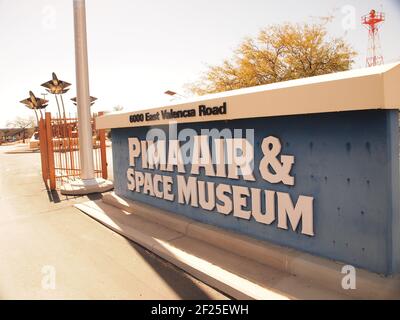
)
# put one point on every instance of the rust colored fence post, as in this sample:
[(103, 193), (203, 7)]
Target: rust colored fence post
[(43, 150), (50, 151), (103, 152)]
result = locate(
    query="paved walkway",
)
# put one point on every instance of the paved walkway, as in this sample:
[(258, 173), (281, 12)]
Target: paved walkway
[(42, 238)]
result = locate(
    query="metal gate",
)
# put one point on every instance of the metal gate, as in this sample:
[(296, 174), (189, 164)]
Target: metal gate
[(59, 148)]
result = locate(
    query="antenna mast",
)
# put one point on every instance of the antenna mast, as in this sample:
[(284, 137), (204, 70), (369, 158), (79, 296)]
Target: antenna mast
[(372, 22)]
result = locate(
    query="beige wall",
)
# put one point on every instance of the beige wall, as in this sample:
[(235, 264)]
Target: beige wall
[(362, 89)]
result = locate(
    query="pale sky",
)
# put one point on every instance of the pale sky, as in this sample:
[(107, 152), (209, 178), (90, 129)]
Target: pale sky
[(139, 49)]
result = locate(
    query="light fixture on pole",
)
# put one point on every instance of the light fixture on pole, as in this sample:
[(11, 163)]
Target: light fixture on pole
[(174, 95), (87, 182), (92, 100)]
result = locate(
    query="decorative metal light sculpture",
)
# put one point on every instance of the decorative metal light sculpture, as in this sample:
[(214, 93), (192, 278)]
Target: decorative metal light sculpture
[(57, 87), (35, 104)]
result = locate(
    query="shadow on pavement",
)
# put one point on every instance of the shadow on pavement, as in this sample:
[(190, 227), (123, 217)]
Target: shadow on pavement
[(184, 285), (179, 282), (53, 195)]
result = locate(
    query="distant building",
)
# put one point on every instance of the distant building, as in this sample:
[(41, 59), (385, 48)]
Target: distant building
[(14, 134)]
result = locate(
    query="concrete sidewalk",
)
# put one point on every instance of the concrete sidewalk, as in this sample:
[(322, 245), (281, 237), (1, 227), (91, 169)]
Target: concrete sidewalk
[(41, 231)]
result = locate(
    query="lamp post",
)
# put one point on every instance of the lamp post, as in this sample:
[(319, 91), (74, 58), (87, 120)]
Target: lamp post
[(82, 88), (174, 95), (59, 87), (88, 183)]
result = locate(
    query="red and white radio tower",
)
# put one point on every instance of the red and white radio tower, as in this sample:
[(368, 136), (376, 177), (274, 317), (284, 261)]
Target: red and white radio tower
[(373, 21)]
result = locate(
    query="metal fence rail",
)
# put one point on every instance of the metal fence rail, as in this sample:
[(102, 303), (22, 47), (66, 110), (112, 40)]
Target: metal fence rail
[(59, 145)]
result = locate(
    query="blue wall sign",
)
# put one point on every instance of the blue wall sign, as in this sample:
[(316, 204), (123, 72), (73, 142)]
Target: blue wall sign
[(325, 183)]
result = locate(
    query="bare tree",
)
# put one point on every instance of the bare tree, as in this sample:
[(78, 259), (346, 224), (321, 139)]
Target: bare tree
[(118, 108), (22, 123)]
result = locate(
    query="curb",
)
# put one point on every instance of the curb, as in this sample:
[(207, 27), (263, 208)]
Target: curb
[(324, 272)]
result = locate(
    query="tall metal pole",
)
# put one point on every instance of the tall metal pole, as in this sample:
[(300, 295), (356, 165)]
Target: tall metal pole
[(83, 95)]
